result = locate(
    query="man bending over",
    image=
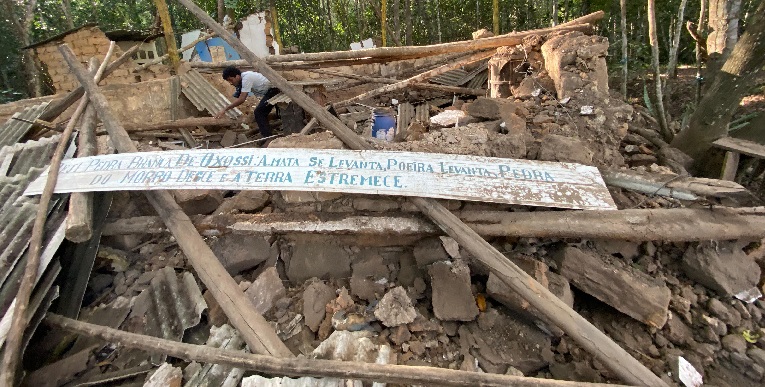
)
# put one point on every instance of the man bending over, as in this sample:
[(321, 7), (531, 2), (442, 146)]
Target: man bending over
[(251, 82)]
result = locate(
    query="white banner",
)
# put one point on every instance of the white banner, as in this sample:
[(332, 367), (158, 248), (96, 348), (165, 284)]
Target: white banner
[(489, 179)]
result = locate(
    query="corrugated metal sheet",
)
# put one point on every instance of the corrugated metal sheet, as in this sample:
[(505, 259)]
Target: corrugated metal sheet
[(279, 98), (405, 115), (479, 81), (14, 130), (204, 96), (422, 113), (23, 163), (170, 306), (213, 375), (450, 78)]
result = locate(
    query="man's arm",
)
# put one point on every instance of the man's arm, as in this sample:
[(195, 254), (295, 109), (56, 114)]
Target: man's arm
[(237, 102)]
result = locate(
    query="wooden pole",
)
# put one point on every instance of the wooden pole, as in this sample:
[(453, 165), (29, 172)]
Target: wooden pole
[(56, 108), (167, 27), (19, 322), (255, 330), (510, 39), (182, 124), (297, 367), (637, 225), (79, 219), (581, 330), (417, 78)]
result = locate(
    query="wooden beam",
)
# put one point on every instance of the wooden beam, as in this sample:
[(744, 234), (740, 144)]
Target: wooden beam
[(581, 330), (184, 123), (510, 39), (79, 219), (730, 165), (667, 225), (297, 367), (257, 333)]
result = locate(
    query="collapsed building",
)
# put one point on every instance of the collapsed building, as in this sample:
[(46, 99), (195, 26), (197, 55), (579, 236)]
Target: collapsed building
[(361, 287)]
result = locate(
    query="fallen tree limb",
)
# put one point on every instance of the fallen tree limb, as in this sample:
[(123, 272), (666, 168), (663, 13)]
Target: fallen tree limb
[(270, 365), (417, 78), (15, 335), (56, 108), (581, 330), (255, 330), (667, 225)]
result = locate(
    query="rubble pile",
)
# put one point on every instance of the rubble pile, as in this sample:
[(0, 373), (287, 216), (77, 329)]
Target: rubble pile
[(421, 299)]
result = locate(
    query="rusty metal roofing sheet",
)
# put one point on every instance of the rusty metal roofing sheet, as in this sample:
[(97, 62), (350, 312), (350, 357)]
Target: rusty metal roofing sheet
[(204, 96), (19, 124)]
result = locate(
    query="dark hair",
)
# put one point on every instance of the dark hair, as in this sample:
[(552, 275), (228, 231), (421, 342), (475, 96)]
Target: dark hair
[(230, 71)]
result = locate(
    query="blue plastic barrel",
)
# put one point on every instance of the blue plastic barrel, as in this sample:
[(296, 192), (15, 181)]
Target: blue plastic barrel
[(383, 124)]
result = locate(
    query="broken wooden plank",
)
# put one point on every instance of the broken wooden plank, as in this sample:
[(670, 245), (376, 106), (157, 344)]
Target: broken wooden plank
[(675, 186), (746, 147), (371, 372), (631, 292), (256, 331), (426, 86), (581, 330)]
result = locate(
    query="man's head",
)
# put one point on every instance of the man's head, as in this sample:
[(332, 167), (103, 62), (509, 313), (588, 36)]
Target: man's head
[(232, 75)]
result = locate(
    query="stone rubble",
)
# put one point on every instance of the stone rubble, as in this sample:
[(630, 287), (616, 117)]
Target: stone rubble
[(425, 301)]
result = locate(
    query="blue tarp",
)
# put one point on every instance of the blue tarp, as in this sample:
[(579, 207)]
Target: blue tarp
[(203, 49)]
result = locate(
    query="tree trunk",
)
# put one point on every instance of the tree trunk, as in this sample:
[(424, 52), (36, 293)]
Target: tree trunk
[(221, 11), (29, 59), (408, 21), (396, 20), (495, 16), (673, 50), (172, 48), (625, 52), (384, 21), (554, 13), (438, 19), (654, 40), (739, 73), (565, 11), (701, 30), (66, 6), (723, 32)]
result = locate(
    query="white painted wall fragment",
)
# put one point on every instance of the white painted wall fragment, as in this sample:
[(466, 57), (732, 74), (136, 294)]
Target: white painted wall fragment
[(253, 35)]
